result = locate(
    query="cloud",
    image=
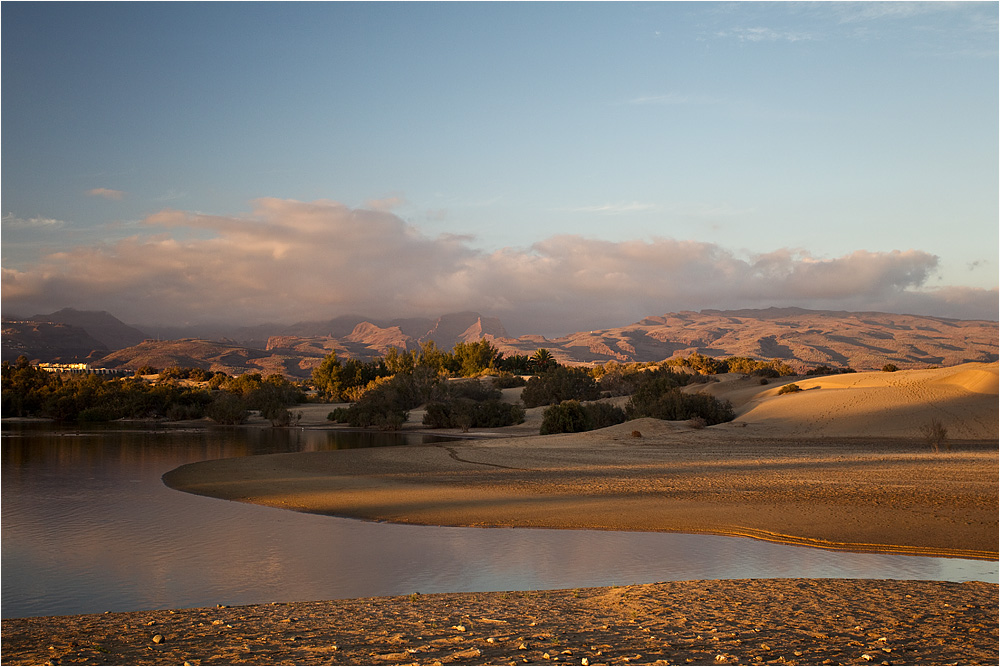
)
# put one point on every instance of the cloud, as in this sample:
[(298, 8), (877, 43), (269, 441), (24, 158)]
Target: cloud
[(288, 261), (10, 221), (621, 207), (106, 193), (763, 34), (389, 203)]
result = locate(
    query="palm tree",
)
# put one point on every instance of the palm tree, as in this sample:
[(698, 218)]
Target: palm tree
[(543, 359)]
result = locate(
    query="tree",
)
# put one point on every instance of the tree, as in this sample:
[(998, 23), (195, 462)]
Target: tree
[(326, 377), (935, 434), (559, 384), (399, 362), (474, 358), (542, 360), (433, 359)]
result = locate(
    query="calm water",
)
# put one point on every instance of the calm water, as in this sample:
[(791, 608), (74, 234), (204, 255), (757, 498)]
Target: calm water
[(87, 526)]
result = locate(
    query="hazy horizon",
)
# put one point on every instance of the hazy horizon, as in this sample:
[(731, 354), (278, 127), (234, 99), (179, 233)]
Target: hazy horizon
[(562, 167)]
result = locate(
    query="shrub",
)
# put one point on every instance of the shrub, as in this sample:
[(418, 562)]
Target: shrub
[(697, 422), (673, 404), (228, 408), (384, 407), (890, 368), (699, 363), (506, 380), (618, 381), (935, 434), (789, 389), (566, 417), (465, 414), (574, 417), (337, 415), (473, 390), (559, 384)]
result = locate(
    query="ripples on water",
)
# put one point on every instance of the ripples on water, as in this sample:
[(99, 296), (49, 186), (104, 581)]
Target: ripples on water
[(88, 527)]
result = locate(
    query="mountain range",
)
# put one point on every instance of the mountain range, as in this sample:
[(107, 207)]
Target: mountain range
[(801, 338)]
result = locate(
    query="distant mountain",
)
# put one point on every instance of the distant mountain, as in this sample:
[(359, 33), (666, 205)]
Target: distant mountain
[(47, 341), (801, 338), (111, 331), (225, 356), (66, 336)]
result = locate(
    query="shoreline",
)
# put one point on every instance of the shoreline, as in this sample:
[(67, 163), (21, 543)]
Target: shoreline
[(767, 621), (866, 495)]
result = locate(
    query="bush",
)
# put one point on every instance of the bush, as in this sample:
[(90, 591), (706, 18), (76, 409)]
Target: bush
[(789, 389), (673, 405), (890, 368), (574, 417), (228, 409), (559, 384), (466, 414), (935, 434), (507, 380), (473, 390), (384, 407)]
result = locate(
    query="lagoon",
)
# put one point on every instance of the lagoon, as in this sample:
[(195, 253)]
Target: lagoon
[(88, 526)]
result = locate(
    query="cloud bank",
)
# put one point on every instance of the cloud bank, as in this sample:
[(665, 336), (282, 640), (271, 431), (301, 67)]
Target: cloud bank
[(289, 261)]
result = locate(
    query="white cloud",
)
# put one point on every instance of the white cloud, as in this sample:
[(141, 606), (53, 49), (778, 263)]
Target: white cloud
[(621, 207), (290, 261), (763, 34), (106, 193), (11, 221)]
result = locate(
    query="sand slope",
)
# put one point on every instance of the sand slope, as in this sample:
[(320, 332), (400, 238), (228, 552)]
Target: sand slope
[(876, 404)]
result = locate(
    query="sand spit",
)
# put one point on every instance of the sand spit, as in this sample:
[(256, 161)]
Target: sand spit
[(885, 496), (840, 464), (774, 621)]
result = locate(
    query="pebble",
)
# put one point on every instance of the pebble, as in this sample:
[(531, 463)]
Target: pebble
[(158, 639)]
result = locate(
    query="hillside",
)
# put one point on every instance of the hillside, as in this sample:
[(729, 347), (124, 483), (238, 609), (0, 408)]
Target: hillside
[(801, 338), (48, 341)]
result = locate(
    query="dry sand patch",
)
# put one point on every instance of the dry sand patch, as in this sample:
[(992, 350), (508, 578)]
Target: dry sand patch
[(773, 621)]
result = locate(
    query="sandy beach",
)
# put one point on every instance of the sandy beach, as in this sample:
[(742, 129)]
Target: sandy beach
[(839, 465), (771, 621), (867, 495)]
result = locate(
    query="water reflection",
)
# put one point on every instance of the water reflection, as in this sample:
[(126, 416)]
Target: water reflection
[(89, 527)]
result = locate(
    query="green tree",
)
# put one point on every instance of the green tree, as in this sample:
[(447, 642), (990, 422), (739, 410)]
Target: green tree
[(561, 383), (397, 361), (476, 357), (326, 378), (542, 360)]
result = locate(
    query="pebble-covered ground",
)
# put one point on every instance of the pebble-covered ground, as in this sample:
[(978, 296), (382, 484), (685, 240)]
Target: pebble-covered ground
[(766, 621)]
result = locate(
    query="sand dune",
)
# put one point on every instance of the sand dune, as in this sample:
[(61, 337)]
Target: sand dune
[(874, 404)]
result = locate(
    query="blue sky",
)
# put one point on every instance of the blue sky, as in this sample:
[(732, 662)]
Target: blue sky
[(558, 165)]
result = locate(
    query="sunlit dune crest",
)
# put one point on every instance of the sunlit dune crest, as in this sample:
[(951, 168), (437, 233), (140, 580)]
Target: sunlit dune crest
[(875, 404)]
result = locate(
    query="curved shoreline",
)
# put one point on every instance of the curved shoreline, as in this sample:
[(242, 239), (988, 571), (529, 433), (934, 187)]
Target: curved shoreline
[(865, 496)]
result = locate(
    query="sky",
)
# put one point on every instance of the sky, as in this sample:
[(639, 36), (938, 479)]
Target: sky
[(562, 166)]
